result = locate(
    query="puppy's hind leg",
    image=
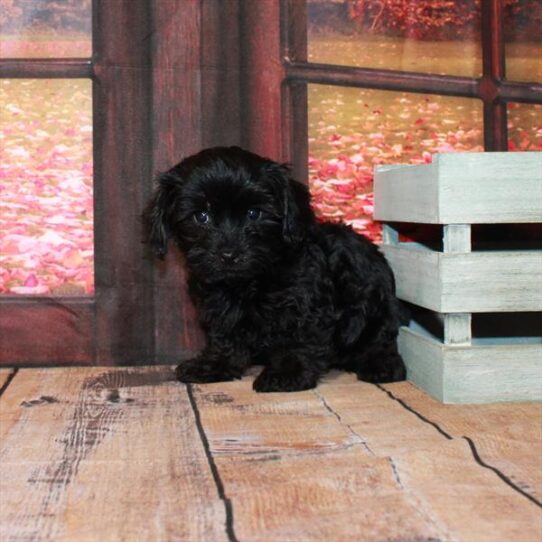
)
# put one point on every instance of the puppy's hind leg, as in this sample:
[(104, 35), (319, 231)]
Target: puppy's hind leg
[(379, 363), (293, 371), (374, 356)]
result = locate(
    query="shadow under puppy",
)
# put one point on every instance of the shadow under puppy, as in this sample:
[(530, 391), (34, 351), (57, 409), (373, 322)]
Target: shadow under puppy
[(271, 285)]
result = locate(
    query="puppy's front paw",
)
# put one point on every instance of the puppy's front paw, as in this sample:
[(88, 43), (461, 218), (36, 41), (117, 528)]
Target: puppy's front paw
[(272, 380), (200, 370)]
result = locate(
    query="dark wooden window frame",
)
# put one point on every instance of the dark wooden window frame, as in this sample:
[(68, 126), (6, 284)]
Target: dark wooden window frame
[(103, 328), (166, 83), (284, 71)]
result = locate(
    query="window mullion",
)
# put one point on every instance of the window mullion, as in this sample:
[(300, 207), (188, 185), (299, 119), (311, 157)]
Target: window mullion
[(47, 68), (495, 114), (382, 79)]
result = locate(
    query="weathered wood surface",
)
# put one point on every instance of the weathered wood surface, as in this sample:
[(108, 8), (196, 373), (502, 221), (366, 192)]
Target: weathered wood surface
[(484, 281), (347, 461), (128, 454), (4, 376), (46, 330), (477, 373), (510, 439), (105, 455), (462, 188)]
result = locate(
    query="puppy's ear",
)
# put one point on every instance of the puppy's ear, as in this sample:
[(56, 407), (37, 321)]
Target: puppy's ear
[(294, 198), (159, 214)]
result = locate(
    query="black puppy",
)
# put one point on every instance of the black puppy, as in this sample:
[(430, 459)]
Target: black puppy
[(271, 285)]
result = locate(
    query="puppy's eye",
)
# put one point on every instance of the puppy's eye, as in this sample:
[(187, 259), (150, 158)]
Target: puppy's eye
[(201, 217), (254, 214)]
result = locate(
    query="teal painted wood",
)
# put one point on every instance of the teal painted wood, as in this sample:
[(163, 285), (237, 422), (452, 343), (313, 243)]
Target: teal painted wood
[(457, 328), (482, 373), (489, 281), (457, 190), (462, 188), (423, 359), (456, 238)]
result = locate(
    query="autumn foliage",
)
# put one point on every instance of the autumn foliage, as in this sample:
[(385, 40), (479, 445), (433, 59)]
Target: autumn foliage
[(65, 15), (442, 19), (46, 208)]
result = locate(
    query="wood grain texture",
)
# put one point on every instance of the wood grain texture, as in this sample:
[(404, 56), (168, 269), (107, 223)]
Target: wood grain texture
[(47, 68), (417, 274), (483, 281), (507, 281), (476, 373), (294, 471), (490, 373), (423, 359), (492, 187), (494, 70), (457, 328), (406, 194), (128, 454), (294, 115), (46, 330), (4, 375), (456, 238), (463, 188), (220, 62), (262, 76), (472, 502), (122, 164), (103, 455), (177, 101), (507, 436)]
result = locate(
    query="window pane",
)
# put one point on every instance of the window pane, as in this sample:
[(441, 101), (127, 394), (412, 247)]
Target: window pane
[(523, 35), (419, 36), (524, 127), (45, 29), (46, 206), (352, 130)]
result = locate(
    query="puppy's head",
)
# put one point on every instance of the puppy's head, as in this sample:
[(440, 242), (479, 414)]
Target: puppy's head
[(232, 213)]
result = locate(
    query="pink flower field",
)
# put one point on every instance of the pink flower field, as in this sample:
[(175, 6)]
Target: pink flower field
[(46, 191), (351, 131), (46, 204)]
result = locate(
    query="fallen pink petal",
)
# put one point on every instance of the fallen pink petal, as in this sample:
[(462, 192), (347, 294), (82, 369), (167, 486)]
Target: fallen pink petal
[(46, 168), (46, 208)]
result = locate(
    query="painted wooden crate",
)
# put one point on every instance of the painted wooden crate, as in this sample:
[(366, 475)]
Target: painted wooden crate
[(456, 282)]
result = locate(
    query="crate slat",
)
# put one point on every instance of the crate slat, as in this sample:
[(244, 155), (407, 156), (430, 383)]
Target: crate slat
[(463, 278), (475, 373), (462, 188), (492, 281), (406, 194)]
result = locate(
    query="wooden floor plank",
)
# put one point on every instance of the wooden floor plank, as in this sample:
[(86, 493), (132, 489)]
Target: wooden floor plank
[(507, 436), (294, 471), (469, 498), (104, 454), (4, 375), (128, 454)]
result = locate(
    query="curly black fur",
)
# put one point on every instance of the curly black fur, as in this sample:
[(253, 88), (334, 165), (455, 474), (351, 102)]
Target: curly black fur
[(271, 285)]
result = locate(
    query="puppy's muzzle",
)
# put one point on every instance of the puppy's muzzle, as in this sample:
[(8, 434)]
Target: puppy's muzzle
[(228, 257)]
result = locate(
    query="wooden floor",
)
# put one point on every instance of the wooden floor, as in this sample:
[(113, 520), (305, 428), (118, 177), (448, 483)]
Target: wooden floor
[(128, 454)]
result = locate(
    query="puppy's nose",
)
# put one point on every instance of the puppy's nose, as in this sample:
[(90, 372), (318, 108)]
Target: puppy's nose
[(228, 256)]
